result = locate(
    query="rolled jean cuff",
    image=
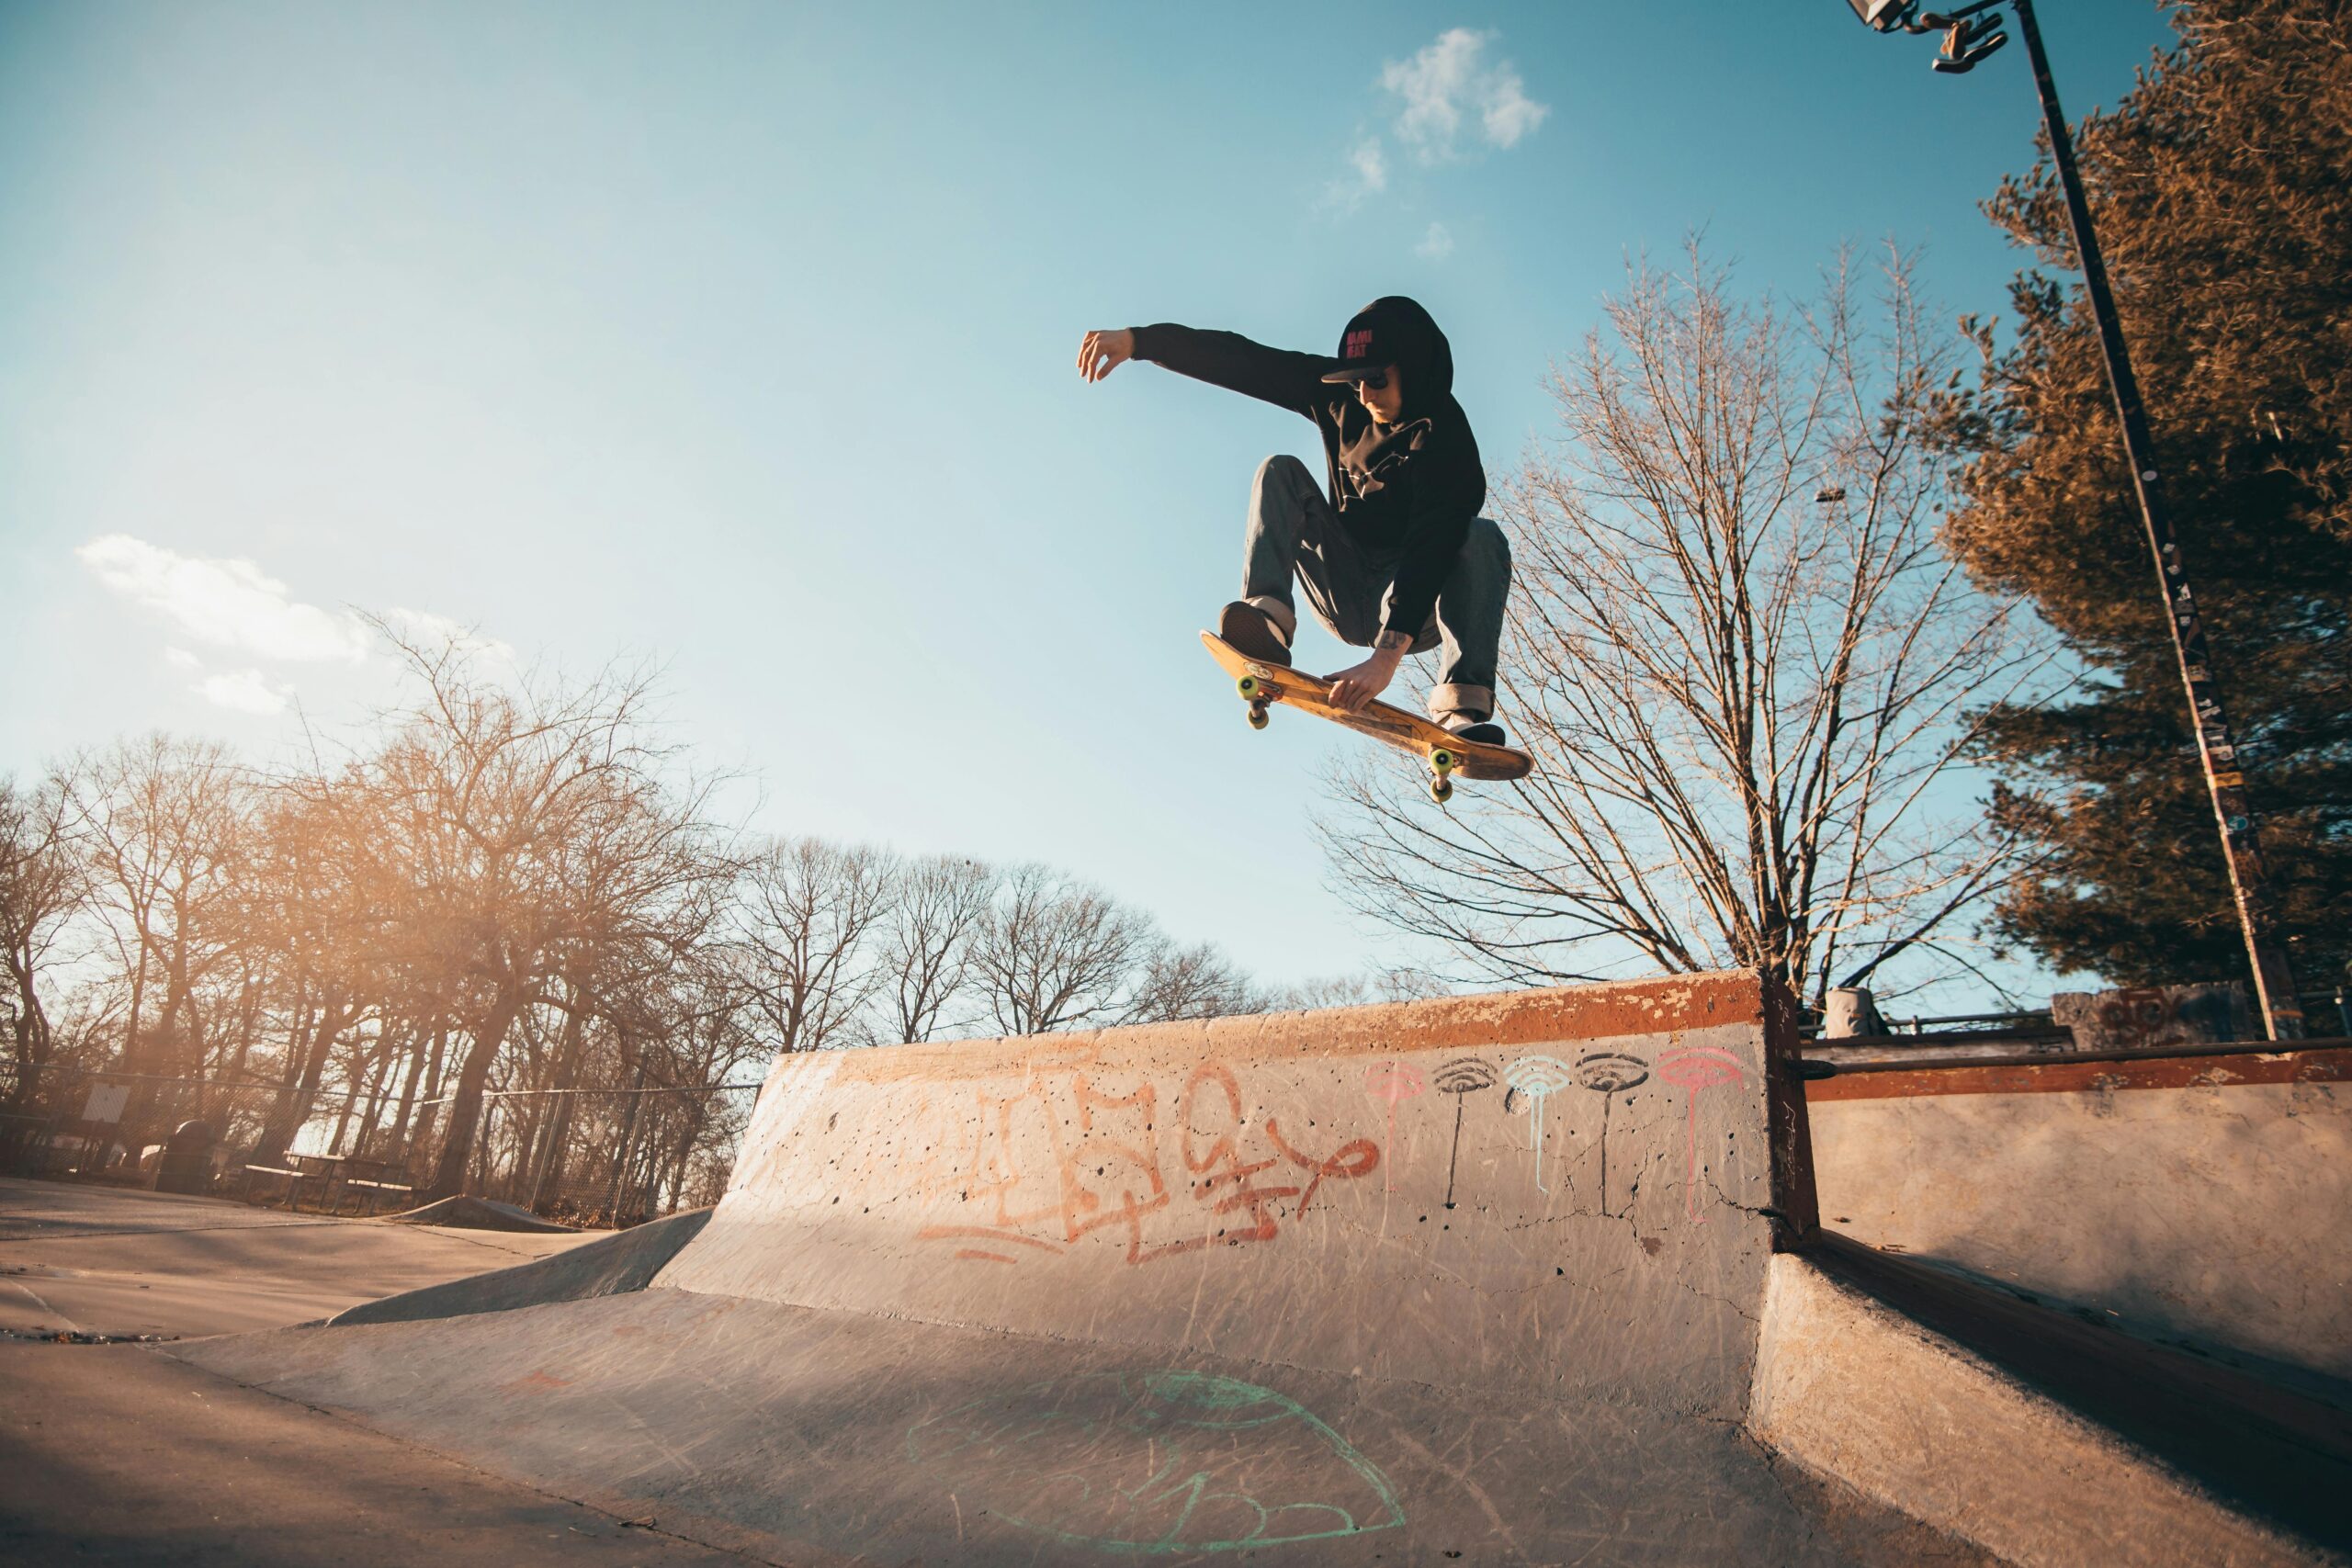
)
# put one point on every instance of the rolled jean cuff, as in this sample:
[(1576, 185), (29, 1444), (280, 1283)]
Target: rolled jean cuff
[(1286, 619), (1475, 703)]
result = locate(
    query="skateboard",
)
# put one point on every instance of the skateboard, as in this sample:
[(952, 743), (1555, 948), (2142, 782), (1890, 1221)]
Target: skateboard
[(1262, 685)]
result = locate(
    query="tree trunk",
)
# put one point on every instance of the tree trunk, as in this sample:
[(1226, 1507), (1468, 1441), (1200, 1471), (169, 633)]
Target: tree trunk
[(695, 1117), (398, 1143), (621, 1155), (557, 1125), (371, 1089), (429, 1113), (32, 1035), (294, 1103), (465, 1106)]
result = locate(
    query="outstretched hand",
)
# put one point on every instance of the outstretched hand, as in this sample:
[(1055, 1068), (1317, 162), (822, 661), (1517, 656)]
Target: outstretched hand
[(1102, 352)]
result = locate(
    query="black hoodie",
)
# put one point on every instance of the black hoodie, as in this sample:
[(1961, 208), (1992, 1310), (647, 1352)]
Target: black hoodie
[(1404, 492)]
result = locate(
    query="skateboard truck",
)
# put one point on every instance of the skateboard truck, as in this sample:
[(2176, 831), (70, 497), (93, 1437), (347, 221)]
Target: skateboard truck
[(1253, 691), (1441, 765)]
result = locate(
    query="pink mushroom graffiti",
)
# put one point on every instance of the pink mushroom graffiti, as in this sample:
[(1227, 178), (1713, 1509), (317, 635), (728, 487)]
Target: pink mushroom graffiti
[(1693, 1068), (1391, 1081)]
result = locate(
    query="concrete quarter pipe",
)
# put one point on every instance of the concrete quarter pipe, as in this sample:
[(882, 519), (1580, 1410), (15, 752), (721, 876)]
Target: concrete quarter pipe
[(1472, 1280)]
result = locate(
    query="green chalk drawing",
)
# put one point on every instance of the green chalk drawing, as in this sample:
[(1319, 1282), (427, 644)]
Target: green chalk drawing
[(1156, 1464)]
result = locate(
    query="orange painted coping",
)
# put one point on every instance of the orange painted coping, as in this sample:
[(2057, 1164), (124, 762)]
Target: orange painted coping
[(1499, 1019), (2078, 1077)]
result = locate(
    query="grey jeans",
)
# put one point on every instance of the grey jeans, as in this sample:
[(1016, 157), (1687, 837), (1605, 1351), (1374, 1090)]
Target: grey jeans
[(1294, 531)]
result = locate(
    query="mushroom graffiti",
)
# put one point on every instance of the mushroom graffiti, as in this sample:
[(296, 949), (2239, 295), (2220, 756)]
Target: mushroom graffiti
[(1691, 1068), (1538, 1078), (1609, 1074), (1463, 1075), (1392, 1081)]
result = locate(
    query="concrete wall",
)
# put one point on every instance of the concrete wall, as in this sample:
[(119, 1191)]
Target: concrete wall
[(2204, 1199), (1543, 1191), (1850, 1389)]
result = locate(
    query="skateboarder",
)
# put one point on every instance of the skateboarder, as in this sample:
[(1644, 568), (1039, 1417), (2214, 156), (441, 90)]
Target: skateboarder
[(1397, 558)]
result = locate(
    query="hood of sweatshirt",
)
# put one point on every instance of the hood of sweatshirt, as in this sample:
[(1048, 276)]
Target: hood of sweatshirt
[(1396, 329)]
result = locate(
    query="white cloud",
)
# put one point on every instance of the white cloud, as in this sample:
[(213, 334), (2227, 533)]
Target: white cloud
[(1437, 244), (181, 658), (247, 691), (1451, 79), (226, 602), (1367, 175), (430, 628)]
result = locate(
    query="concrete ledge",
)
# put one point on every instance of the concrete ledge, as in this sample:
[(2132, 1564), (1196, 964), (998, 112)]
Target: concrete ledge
[(1850, 1389)]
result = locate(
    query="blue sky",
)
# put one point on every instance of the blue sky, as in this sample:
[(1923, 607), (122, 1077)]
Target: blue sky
[(741, 336)]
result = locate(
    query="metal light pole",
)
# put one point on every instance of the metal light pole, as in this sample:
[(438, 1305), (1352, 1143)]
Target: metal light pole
[(1969, 37)]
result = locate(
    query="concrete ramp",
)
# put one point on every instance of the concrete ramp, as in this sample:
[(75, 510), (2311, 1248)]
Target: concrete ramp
[(1558, 1192), (611, 1266), (1473, 1280)]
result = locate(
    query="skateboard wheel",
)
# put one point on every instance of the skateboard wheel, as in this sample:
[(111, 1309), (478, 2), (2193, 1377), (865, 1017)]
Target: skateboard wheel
[(1248, 687), (1442, 763), (1440, 789), (1257, 715)]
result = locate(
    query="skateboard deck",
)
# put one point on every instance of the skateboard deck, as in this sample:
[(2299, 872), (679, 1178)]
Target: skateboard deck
[(1262, 685)]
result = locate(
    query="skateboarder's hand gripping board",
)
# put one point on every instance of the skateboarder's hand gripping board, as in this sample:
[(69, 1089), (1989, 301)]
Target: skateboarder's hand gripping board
[(1354, 688)]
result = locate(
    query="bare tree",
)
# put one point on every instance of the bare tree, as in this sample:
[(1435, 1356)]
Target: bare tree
[(811, 914), (43, 883), (1052, 953), (166, 822), (500, 943), (529, 822), (1742, 663), (322, 908), (1379, 984), (1191, 982), (940, 901)]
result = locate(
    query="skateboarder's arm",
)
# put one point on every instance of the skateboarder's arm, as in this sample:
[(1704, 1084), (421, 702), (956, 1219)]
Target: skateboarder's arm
[(1445, 489), (1277, 375), (1432, 541)]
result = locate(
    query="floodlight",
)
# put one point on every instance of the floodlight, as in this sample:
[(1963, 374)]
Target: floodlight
[(1885, 14)]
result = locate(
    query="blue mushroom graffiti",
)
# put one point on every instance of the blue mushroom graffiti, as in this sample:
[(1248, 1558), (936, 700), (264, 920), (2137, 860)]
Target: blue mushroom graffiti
[(1533, 1085), (1535, 1080), (1154, 1464)]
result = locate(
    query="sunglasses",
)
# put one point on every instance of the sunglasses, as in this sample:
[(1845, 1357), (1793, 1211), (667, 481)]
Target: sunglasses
[(1375, 382)]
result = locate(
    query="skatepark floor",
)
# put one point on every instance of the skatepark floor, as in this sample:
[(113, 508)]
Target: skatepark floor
[(120, 1454), (121, 1263), (113, 1454)]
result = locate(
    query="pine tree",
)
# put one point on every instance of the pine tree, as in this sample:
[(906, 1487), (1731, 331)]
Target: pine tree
[(2221, 186)]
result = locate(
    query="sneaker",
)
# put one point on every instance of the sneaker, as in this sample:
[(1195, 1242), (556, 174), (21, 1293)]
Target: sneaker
[(1253, 631), (1483, 734)]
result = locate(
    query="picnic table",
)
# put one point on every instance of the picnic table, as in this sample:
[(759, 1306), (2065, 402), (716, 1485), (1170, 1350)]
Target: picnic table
[(332, 1177)]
